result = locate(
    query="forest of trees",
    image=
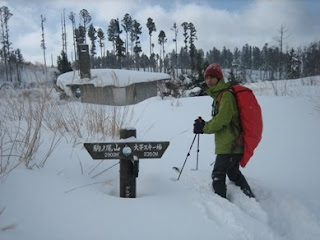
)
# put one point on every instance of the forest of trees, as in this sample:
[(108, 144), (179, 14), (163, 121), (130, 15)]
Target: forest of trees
[(272, 62), (11, 59)]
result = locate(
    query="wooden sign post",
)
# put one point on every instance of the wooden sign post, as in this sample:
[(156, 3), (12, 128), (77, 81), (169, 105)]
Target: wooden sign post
[(129, 154)]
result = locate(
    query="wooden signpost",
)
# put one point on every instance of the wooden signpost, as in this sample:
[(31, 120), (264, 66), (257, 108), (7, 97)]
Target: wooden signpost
[(129, 154)]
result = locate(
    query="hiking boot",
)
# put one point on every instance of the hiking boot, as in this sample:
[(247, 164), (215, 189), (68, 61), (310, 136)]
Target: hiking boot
[(248, 192)]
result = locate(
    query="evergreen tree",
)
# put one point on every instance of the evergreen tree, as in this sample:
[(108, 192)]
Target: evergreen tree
[(214, 55), (257, 60), (184, 51), (127, 26), (293, 65), (16, 60), (200, 68), (236, 55), (185, 27), (175, 53), (224, 57), (135, 37), (101, 38), (162, 39), (63, 64), (118, 44), (193, 50), (113, 32), (152, 28), (312, 59), (246, 58), (86, 19), (92, 34), (120, 50), (111, 60), (80, 35), (144, 62), (153, 62), (233, 79), (266, 60)]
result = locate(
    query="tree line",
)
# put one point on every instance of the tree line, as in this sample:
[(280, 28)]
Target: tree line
[(11, 59), (271, 62)]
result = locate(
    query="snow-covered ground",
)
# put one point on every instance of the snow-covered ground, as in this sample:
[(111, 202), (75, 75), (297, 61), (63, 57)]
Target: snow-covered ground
[(68, 198)]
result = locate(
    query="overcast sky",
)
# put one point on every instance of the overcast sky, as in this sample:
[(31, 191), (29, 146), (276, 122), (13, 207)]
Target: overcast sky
[(230, 23)]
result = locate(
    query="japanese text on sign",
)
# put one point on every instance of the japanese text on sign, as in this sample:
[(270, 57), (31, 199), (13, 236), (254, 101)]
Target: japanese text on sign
[(120, 149)]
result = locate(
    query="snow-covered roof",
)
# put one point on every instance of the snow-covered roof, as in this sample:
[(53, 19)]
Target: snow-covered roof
[(110, 77)]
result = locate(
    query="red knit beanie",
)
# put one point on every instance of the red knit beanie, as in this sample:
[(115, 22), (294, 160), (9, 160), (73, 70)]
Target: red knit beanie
[(213, 70)]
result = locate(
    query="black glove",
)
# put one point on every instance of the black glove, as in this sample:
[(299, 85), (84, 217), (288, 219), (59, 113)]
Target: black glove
[(198, 125)]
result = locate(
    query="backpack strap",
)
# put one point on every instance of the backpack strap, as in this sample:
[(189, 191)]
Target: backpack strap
[(215, 107), (220, 95)]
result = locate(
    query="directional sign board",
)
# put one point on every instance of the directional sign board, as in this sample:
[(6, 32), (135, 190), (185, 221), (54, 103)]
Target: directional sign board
[(118, 150)]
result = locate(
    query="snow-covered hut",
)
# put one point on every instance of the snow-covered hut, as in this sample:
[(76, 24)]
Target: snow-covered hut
[(112, 86)]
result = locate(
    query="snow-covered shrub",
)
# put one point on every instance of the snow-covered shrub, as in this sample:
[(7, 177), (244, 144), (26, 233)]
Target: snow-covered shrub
[(34, 121)]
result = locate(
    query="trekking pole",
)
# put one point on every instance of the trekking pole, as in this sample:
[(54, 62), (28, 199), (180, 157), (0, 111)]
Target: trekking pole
[(187, 156), (198, 151)]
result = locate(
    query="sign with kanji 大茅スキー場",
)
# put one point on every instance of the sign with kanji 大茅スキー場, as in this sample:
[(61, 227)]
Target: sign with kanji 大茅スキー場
[(128, 154), (118, 150)]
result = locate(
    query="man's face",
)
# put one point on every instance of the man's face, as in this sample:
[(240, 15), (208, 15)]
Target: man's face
[(211, 81)]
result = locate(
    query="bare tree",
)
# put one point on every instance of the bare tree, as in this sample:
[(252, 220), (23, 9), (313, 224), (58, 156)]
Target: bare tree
[(5, 15), (280, 40), (64, 32), (43, 45), (73, 21)]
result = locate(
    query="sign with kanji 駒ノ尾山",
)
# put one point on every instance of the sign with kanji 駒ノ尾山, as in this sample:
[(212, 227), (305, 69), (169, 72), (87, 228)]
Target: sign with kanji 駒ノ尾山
[(117, 150)]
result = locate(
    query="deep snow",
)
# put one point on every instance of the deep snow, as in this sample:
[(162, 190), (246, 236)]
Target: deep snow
[(62, 201), (109, 77)]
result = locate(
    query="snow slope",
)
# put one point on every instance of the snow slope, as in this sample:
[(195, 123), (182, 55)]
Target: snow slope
[(65, 201)]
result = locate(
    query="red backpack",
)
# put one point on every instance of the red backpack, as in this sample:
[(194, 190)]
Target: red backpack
[(250, 119)]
